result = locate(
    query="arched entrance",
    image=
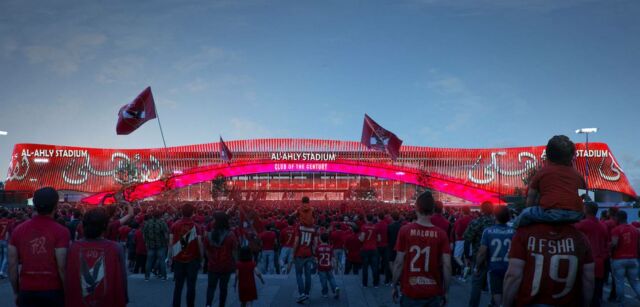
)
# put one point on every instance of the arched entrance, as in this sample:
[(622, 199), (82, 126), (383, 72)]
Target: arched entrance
[(439, 182)]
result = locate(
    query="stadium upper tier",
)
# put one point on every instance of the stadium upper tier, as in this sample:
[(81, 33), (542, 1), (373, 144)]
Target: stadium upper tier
[(472, 174)]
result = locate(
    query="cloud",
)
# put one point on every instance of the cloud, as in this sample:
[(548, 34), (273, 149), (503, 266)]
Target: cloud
[(335, 118), (8, 48), (220, 83), (205, 58), (456, 99), (121, 69), (66, 57), (490, 6)]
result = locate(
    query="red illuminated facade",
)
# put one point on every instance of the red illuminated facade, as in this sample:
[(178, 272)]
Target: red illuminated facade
[(471, 174)]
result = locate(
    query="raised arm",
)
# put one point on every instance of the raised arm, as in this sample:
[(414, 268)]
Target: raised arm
[(129, 215)]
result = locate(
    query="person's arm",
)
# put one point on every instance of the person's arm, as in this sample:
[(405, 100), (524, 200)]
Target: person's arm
[(614, 243), (446, 272), (512, 281), (532, 197), (235, 284), (129, 215), (396, 270), (228, 212), (257, 272), (361, 236), (61, 261), (481, 257), (170, 249), (588, 281), (13, 269)]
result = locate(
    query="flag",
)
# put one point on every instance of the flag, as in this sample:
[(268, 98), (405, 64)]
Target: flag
[(184, 241), (132, 115), (377, 138), (225, 153)]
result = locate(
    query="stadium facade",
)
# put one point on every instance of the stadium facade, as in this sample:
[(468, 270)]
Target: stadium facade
[(474, 175)]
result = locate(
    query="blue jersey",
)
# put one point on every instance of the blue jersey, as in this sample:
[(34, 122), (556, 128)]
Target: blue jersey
[(497, 239)]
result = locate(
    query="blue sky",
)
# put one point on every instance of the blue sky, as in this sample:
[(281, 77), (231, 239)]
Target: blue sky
[(458, 73)]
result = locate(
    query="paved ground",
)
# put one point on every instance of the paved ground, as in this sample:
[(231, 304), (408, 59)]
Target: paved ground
[(278, 291)]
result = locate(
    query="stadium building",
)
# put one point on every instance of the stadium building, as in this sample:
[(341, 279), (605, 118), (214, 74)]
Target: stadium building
[(277, 169)]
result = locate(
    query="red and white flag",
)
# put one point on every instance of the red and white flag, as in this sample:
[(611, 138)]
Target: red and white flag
[(225, 153), (377, 138), (132, 115)]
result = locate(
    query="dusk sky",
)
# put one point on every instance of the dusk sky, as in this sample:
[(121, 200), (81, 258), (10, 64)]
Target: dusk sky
[(457, 73)]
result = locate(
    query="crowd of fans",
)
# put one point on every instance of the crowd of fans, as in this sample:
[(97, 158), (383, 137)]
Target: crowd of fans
[(556, 253)]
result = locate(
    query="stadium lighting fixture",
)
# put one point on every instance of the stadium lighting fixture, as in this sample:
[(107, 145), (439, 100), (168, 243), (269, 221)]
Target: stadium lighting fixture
[(586, 132), (3, 132), (41, 160)]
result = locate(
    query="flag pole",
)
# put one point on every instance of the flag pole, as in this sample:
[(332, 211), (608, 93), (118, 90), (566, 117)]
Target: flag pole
[(166, 150), (160, 125)]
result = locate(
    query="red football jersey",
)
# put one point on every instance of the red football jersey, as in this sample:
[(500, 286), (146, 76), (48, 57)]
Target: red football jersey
[(287, 236), (627, 247), (370, 237), (324, 253), (185, 240), (96, 274), (305, 236), (268, 238), (36, 241), (422, 269), (554, 256)]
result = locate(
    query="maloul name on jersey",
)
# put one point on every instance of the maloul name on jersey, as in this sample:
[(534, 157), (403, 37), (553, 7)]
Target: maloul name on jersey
[(562, 246), (423, 233)]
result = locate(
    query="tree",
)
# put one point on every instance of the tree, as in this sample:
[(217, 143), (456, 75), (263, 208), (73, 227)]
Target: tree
[(219, 187)]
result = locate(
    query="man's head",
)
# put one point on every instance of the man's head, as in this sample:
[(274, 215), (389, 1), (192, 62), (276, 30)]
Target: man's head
[(590, 208), (502, 214), (324, 238), (560, 150), (425, 204), (95, 223), (187, 210), (45, 200), (466, 210), (305, 199), (370, 218), (395, 216), (486, 208), (621, 217), (613, 211)]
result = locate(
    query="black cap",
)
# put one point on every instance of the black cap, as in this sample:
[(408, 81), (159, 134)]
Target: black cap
[(45, 200)]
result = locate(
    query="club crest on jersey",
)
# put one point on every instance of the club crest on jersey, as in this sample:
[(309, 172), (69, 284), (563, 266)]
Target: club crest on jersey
[(91, 277)]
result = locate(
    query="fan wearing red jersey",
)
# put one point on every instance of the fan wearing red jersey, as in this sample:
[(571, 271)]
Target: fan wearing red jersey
[(38, 255), (287, 239), (305, 241), (96, 274), (326, 263), (186, 252), (423, 259), (624, 260), (549, 265)]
